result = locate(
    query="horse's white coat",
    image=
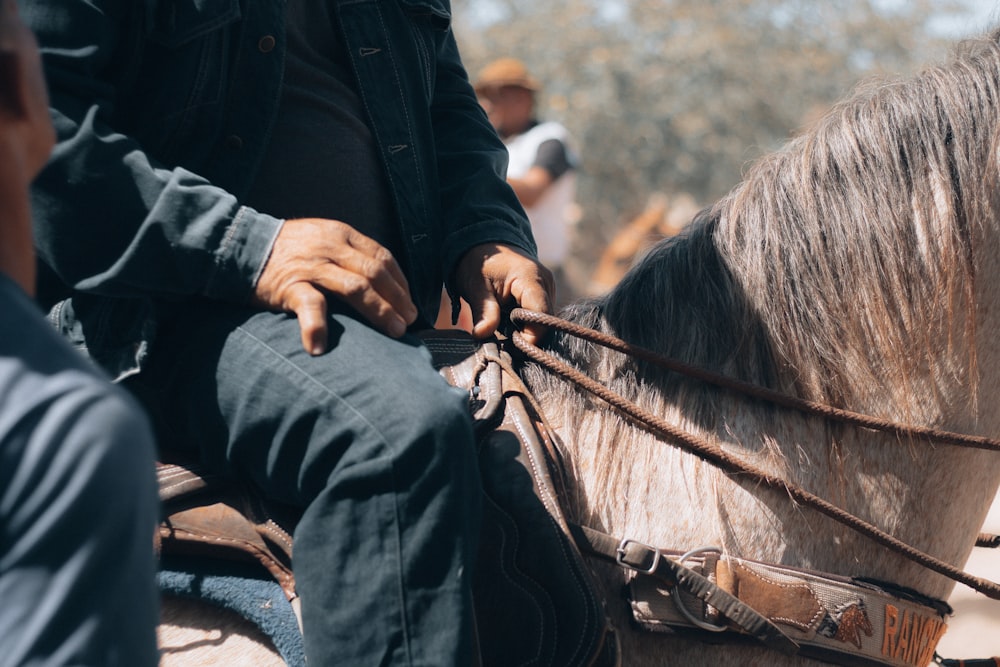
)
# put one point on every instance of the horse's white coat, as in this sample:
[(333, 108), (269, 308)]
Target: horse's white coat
[(193, 634)]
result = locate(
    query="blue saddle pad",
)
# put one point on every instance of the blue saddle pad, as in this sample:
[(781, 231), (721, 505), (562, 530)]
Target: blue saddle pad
[(242, 588)]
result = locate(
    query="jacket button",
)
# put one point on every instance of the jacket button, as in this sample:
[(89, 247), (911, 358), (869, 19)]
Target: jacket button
[(266, 43), (234, 141)]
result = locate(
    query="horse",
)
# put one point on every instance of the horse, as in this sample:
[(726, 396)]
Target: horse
[(857, 267), (663, 216)]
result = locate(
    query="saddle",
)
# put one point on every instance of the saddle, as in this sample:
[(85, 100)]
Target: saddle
[(535, 602)]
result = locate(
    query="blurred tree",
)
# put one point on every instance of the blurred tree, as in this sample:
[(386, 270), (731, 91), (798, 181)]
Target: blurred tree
[(677, 96)]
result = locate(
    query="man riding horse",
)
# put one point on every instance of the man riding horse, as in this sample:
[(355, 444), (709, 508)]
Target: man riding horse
[(250, 208)]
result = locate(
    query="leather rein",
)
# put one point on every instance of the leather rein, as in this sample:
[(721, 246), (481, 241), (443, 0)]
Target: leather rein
[(732, 465)]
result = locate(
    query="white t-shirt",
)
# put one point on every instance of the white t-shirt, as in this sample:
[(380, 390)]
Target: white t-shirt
[(553, 215)]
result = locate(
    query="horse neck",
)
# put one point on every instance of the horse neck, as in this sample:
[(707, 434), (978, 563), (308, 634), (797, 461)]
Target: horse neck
[(932, 497)]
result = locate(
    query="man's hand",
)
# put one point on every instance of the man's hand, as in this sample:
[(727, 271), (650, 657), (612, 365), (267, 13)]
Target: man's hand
[(492, 277), (316, 258)]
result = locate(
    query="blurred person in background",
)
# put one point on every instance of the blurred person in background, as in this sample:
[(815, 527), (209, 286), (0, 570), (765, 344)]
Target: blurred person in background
[(543, 164)]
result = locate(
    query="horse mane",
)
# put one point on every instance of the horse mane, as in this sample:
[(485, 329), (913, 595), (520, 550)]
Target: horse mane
[(833, 271), (854, 242)]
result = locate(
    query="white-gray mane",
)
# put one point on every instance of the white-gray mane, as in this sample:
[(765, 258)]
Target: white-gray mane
[(832, 271)]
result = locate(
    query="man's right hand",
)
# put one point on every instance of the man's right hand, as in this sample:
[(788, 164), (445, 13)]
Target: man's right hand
[(314, 259)]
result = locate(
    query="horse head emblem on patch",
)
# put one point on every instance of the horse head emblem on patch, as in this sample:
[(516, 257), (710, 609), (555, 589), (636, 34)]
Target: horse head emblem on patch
[(847, 623)]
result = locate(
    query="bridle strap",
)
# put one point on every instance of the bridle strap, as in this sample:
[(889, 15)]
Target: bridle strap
[(721, 459)]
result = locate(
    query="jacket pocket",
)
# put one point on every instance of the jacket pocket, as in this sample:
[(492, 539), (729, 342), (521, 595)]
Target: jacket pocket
[(177, 22), (176, 102), (436, 13), (429, 21)]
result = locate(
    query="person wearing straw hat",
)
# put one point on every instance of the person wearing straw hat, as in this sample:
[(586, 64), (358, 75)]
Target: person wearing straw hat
[(542, 169)]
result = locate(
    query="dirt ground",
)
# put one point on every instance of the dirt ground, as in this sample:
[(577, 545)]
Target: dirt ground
[(974, 630)]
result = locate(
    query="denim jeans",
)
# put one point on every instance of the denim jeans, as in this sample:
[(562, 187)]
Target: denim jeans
[(78, 505), (372, 444)]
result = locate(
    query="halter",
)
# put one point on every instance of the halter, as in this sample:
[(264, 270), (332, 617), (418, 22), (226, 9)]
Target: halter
[(731, 465)]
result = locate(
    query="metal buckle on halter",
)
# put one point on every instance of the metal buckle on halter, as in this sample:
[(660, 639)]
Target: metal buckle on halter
[(620, 556), (676, 595)]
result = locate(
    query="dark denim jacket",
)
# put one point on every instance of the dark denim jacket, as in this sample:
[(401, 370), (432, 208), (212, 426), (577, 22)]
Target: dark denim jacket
[(163, 109)]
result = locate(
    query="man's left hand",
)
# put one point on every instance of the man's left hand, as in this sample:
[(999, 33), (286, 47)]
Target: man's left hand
[(493, 277)]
